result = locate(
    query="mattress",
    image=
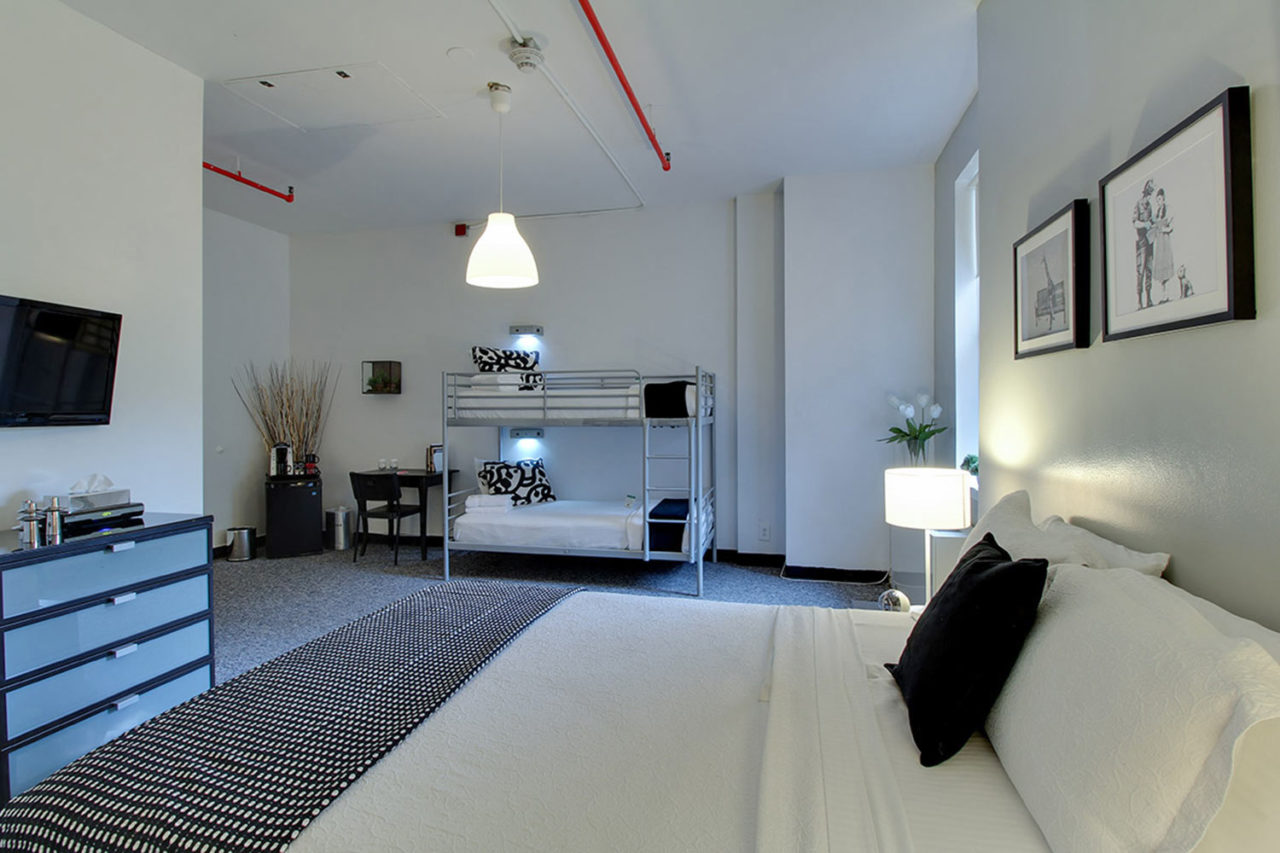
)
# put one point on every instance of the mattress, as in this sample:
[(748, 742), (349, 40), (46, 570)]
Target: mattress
[(638, 724), (497, 403), (595, 525)]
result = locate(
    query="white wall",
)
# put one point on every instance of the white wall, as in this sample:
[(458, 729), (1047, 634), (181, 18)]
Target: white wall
[(858, 326), (100, 180), (1162, 442), (246, 321), (761, 437), (651, 290)]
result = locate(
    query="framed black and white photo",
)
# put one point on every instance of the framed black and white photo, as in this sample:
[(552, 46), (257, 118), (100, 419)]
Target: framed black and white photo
[(1051, 284), (1177, 226)]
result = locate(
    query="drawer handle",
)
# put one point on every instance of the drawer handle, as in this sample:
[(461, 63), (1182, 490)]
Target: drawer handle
[(120, 704), (123, 650), (122, 598), (116, 547)]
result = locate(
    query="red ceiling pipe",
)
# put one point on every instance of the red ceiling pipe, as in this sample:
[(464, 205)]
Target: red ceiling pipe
[(236, 176), (622, 78)]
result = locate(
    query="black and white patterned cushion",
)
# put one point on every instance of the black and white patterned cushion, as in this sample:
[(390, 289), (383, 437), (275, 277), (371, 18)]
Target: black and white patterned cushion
[(526, 481), (523, 362)]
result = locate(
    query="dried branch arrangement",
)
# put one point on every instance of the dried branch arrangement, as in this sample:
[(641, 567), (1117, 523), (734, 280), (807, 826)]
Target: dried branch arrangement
[(288, 403)]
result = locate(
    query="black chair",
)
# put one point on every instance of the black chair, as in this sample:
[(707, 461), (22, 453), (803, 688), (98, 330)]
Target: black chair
[(380, 487)]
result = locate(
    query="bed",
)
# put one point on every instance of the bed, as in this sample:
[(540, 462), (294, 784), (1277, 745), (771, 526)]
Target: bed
[(594, 727), (568, 526), (510, 390)]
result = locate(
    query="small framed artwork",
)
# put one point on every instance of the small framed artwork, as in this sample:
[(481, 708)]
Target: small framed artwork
[(1177, 226), (435, 458), (1051, 284)]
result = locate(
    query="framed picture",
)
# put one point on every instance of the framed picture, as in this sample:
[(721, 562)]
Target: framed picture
[(1177, 226), (1051, 284), (435, 458)]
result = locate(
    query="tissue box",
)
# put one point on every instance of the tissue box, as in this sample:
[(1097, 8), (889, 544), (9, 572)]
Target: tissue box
[(91, 500)]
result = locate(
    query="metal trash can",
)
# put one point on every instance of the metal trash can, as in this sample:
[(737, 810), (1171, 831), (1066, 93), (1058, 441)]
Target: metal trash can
[(337, 528), (243, 542)]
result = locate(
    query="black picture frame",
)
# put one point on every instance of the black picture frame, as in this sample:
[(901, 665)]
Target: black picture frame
[(1051, 280), (1192, 248)]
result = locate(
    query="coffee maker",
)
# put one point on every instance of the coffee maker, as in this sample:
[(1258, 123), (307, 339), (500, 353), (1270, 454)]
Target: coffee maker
[(281, 462)]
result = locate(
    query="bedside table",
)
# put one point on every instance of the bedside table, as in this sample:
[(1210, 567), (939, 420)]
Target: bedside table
[(921, 563)]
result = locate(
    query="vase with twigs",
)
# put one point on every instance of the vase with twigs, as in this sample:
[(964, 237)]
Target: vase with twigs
[(288, 403)]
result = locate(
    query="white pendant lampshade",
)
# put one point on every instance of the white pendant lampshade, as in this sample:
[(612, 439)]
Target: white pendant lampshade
[(501, 257)]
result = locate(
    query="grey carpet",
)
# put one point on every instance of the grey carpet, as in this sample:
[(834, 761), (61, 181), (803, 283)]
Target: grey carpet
[(263, 608)]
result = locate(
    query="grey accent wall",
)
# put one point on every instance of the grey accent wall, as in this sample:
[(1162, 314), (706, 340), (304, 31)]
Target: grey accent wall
[(957, 153), (1162, 442), (858, 325)]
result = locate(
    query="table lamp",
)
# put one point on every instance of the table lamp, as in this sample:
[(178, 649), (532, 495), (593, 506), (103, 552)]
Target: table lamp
[(927, 499)]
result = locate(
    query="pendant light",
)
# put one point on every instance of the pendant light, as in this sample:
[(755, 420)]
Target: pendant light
[(501, 258)]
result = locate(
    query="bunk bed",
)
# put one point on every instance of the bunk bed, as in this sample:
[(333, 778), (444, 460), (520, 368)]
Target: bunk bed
[(643, 530)]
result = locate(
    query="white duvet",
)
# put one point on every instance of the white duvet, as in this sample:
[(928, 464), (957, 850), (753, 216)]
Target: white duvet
[(632, 723), (563, 524)]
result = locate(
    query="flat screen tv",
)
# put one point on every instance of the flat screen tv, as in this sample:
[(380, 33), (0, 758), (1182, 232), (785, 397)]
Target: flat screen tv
[(57, 363)]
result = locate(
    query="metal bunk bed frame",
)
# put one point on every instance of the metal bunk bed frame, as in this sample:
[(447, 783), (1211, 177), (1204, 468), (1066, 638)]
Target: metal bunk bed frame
[(588, 398)]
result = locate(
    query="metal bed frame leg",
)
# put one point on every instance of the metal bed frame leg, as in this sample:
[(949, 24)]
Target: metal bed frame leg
[(444, 477)]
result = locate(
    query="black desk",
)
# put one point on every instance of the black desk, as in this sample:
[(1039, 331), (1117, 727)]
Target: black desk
[(420, 479)]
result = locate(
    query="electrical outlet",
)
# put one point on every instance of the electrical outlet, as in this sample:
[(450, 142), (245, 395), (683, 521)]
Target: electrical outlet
[(763, 534)]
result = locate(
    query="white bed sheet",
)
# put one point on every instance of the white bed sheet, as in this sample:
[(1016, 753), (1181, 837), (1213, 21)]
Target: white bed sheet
[(497, 403), (563, 524), (634, 723)]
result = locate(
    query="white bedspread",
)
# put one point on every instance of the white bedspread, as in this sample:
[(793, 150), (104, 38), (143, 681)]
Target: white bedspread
[(562, 524), (633, 723)]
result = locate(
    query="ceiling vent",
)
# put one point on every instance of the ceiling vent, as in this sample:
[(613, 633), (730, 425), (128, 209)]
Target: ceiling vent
[(362, 93)]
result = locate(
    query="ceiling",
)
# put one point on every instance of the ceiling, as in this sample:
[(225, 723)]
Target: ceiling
[(740, 92)]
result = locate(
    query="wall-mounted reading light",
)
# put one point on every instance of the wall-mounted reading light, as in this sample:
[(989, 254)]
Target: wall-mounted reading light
[(526, 432), (528, 336)]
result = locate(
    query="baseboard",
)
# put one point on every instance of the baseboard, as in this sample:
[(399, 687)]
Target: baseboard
[(821, 573), (406, 541), (741, 558)]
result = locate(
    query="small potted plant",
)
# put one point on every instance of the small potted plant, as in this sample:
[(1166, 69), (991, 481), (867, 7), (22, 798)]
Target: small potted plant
[(921, 425)]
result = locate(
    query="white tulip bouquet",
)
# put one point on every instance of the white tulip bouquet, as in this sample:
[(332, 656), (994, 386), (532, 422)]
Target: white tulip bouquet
[(922, 425)]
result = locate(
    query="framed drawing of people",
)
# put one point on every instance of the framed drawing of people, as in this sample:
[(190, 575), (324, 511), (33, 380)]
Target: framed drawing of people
[(1177, 226), (1051, 284)]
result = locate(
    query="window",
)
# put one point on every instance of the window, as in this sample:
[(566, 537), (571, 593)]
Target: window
[(966, 329)]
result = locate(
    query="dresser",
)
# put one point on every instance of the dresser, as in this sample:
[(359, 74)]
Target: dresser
[(97, 635)]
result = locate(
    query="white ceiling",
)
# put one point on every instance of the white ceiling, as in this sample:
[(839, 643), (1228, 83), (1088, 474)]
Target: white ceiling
[(741, 92)]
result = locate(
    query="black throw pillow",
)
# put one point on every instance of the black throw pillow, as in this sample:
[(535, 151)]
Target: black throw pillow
[(964, 646)]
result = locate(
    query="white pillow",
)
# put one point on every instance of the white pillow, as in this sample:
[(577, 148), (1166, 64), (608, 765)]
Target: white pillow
[(1231, 624), (1056, 540), (499, 381), (1120, 719)]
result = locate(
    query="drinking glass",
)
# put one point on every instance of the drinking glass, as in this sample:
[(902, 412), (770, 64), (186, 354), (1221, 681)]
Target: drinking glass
[(395, 464), (382, 464)]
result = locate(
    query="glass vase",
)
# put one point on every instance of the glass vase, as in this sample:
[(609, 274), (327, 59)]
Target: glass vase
[(917, 452)]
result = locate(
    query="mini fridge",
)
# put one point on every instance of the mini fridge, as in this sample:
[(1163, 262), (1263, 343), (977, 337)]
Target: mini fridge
[(295, 518)]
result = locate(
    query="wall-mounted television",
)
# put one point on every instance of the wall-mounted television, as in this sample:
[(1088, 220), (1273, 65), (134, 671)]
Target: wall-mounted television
[(57, 363)]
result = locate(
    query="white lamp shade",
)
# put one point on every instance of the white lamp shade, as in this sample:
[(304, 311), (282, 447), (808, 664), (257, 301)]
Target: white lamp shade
[(927, 498), (501, 257)]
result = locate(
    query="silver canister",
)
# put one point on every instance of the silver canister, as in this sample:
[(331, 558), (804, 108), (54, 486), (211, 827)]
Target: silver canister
[(53, 522), (30, 525)]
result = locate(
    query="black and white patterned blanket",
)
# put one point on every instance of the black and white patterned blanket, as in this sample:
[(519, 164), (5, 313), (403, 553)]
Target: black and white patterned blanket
[(247, 765)]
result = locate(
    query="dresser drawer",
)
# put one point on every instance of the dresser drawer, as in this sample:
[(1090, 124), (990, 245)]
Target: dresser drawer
[(31, 763), (118, 564), (49, 699), (51, 640)]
